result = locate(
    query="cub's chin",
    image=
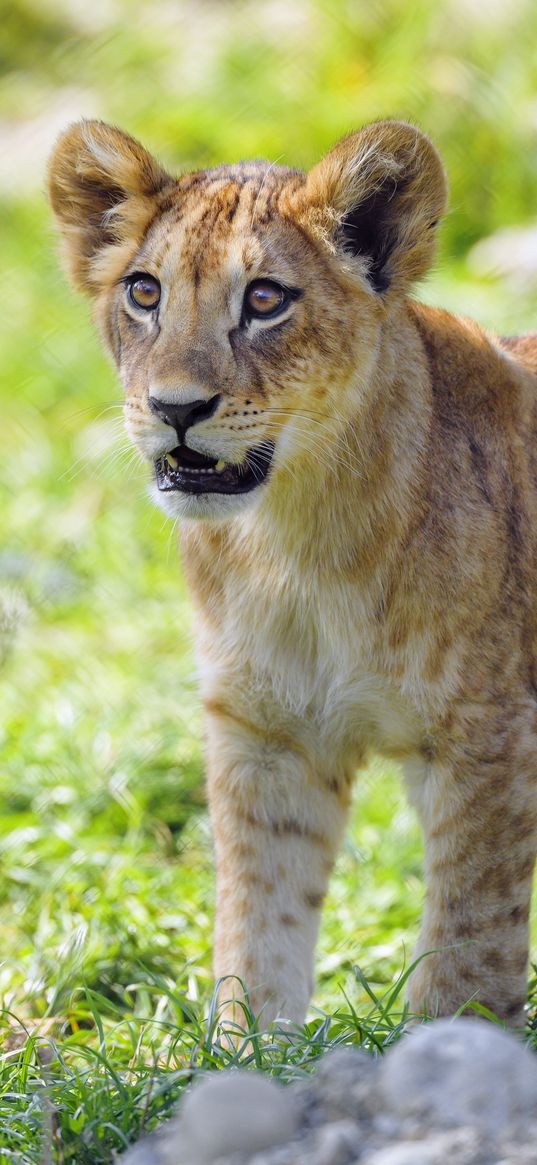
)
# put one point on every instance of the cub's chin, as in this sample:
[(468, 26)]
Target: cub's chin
[(208, 506)]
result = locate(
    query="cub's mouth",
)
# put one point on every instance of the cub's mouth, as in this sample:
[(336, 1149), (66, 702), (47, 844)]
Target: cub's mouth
[(185, 470)]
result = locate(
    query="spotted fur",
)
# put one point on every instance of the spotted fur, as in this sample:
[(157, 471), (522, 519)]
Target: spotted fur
[(377, 591)]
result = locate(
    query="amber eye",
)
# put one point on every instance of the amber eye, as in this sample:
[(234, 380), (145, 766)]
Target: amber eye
[(143, 291), (263, 299)]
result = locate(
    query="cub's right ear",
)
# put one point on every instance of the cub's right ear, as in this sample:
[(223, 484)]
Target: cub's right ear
[(102, 186), (377, 196)]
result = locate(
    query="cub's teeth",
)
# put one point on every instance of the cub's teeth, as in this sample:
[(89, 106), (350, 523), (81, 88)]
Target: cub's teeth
[(220, 466), (172, 460)]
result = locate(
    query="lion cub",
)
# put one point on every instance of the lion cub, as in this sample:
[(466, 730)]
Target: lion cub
[(356, 479)]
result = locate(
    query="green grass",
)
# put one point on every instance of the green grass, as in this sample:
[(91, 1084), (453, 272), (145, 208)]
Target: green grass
[(106, 884)]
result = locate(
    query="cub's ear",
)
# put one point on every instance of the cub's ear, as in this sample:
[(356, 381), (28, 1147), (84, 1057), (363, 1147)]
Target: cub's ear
[(102, 186), (382, 191)]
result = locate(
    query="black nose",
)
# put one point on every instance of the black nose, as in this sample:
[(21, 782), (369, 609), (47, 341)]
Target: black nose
[(181, 417)]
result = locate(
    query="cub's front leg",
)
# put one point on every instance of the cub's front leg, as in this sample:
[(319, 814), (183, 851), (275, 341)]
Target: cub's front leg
[(277, 817)]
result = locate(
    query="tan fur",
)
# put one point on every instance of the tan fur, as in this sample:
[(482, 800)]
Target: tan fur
[(377, 592)]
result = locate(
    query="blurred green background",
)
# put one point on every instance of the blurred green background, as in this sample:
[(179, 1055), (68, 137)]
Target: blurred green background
[(105, 857)]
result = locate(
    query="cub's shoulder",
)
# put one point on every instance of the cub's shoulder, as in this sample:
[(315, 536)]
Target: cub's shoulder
[(468, 361)]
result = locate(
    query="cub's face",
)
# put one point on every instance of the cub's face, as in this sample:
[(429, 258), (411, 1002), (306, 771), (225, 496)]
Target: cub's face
[(234, 336), (243, 304)]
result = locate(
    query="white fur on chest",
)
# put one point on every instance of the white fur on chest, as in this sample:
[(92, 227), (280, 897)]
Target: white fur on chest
[(311, 647)]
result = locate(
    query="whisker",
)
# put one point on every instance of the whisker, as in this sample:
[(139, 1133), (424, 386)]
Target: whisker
[(87, 460), (317, 445), (89, 409), (315, 441), (120, 457), (310, 413), (256, 468), (170, 536)]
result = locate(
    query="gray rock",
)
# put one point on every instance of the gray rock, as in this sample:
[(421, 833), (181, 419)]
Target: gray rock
[(290, 1154), (338, 1143), (229, 1113), (459, 1091), (461, 1072), (511, 1154), (463, 1147), (144, 1153), (344, 1084)]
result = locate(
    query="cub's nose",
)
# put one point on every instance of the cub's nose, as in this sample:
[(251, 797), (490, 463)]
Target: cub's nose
[(182, 416)]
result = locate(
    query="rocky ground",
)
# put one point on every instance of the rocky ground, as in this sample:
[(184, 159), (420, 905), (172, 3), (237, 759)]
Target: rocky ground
[(461, 1092)]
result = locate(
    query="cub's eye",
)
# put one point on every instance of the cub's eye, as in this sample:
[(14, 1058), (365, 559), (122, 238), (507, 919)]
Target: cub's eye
[(263, 299), (143, 291)]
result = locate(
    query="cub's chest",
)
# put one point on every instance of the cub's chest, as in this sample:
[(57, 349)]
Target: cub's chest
[(314, 645)]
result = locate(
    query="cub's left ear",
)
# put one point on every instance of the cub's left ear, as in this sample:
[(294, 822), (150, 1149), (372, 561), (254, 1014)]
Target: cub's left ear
[(380, 193)]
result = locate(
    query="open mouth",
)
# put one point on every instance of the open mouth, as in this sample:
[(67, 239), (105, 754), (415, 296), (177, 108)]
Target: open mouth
[(187, 471)]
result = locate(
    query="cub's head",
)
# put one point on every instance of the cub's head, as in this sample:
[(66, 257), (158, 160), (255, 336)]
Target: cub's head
[(243, 304)]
